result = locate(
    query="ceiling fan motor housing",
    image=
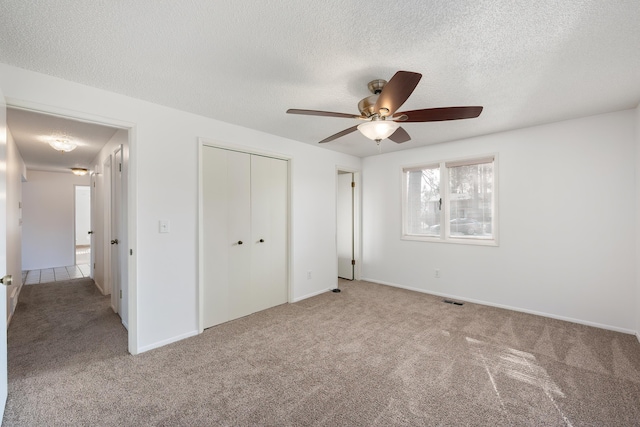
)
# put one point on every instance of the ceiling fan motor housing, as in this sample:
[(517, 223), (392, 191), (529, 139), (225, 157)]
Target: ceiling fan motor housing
[(367, 106)]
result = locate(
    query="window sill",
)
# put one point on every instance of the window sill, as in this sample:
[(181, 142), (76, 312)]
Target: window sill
[(477, 241)]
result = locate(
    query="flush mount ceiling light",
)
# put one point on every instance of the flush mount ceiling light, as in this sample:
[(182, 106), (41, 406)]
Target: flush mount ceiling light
[(79, 171), (64, 145)]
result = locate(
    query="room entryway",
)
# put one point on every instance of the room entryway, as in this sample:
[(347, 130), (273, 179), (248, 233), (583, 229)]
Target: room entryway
[(347, 224)]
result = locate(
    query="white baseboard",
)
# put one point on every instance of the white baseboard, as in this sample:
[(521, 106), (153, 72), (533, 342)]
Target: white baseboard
[(311, 295), (100, 288), (508, 307), (638, 336), (166, 342)]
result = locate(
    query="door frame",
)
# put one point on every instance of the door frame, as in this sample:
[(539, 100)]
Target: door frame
[(357, 221), (106, 227), (205, 142), (132, 184)]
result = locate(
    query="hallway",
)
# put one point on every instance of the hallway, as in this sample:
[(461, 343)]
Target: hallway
[(57, 274)]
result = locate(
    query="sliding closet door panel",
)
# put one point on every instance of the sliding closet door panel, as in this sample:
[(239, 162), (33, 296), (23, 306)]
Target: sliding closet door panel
[(239, 229), (269, 231), (215, 237)]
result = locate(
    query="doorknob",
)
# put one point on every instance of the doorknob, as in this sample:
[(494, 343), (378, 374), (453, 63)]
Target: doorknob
[(89, 232), (114, 242), (261, 240), (239, 242), (7, 280)]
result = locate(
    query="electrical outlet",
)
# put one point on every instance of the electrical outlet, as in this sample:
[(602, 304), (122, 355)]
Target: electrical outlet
[(437, 273), (309, 275)]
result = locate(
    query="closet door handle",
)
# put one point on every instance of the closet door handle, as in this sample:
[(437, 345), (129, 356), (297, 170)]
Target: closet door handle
[(239, 242), (261, 240)]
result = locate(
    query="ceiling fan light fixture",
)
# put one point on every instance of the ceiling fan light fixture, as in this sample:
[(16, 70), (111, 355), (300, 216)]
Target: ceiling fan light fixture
[(64, 145), (79, 171), (378, 129)]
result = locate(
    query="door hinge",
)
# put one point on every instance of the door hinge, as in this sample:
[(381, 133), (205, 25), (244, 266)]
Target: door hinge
[(94, 265), (353, 184), (130, 251), (119, 167), (353, 262), (120, 293)]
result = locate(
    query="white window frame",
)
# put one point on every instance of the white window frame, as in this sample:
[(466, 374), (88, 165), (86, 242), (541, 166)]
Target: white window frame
[(446, 236)]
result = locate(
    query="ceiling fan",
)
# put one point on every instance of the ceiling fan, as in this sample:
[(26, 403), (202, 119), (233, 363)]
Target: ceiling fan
[(378, 111)]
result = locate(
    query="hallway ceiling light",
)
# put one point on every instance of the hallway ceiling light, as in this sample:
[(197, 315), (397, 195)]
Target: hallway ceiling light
[(64, 145), (79, 171)]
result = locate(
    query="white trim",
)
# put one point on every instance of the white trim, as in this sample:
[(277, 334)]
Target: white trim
[(638, 336), (311, 295), (166, 342), (508, 307), (202, 142), (99, 287)]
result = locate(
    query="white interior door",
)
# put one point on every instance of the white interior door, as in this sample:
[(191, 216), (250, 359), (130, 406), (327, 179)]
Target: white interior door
[(116, 237), (106, 232), (344, 226), (215, 237), (269, 232), (244, 234), (226, 235), (3, 254), (239, 237)]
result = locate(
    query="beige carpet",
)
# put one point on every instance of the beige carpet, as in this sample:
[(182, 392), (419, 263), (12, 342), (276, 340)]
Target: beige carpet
[(369, 356)]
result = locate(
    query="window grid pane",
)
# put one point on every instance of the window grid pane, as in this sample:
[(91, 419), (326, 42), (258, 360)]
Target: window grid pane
[(471, 200), (423, 201)]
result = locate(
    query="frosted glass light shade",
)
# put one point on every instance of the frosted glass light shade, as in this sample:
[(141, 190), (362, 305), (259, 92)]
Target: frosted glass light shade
[(79, 171), (378, 129), (63, 145)]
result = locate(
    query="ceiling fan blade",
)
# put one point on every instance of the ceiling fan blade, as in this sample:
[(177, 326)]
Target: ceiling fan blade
[(396, 92), (400, 136), (339, 134), (440, 114), (323, 113)]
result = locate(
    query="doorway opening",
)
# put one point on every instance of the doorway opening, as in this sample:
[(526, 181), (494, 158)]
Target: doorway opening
[(75, 212), (347, 224), (83, 227)]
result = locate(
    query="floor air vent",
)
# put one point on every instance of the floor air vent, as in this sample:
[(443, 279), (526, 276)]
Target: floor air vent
[(448, 301)]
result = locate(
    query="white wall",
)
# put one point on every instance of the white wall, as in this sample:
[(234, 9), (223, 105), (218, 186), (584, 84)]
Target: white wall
[(164, 170), (567, 223), (48, 219), (16, 172)]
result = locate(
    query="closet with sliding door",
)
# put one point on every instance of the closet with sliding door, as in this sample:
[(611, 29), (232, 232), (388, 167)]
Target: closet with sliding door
[(244, 234)]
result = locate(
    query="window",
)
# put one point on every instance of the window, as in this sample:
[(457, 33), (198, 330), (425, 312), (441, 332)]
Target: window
[(451, 201)]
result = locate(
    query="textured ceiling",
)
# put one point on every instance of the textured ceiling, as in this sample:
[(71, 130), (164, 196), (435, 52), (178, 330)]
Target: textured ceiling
[(32, 131), (247, 62)]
